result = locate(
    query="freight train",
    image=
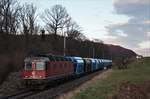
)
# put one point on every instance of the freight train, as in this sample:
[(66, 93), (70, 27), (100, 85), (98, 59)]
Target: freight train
[(41, 69)]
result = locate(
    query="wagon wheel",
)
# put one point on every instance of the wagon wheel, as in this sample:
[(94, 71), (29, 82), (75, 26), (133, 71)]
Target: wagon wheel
[(105, 67)]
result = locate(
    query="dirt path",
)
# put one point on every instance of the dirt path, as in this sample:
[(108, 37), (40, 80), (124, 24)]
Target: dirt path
[(70, 94)]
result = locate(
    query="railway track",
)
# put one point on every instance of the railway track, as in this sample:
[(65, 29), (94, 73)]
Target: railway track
[(52, 92), (18, 95)]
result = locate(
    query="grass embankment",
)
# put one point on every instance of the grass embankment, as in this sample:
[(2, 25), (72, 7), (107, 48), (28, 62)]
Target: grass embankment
[(137, 73)]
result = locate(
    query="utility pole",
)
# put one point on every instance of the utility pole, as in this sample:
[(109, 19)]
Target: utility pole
[(63, 33), (93, 52), (64, 43), (103, 51)]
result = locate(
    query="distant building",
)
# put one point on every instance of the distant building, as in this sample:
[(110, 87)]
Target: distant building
[(139, 56)]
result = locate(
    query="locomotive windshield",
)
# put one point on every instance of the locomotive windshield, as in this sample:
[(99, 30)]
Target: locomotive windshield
[(40, 65)]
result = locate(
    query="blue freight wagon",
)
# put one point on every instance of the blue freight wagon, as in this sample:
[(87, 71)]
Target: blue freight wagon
[(93, 64), (100, 64), (78, 65)]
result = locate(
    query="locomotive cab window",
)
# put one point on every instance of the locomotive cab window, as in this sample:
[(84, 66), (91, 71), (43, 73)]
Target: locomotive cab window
[(28, 66), (40, 65)]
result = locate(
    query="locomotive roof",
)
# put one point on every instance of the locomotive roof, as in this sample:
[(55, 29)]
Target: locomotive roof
[(29, 59), (47, 57)]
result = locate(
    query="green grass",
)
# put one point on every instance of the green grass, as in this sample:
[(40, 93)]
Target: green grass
[(137, 72)]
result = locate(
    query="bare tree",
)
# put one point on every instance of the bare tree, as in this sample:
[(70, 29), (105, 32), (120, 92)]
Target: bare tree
[(55, 18), (28, 17), (9, 12), (28, 23), (73, 30), (98, 41)]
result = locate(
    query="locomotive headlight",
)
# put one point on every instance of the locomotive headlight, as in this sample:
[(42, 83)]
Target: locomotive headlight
[(33, 73)]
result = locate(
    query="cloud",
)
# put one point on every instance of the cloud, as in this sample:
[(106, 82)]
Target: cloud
[(131, 1), (144, 52), (148, 34), (121, 33), (132, 8), (144, 45), (132, 33), (147, 22)]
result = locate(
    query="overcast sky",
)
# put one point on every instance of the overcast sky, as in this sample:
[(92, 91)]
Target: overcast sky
[(121, 22)]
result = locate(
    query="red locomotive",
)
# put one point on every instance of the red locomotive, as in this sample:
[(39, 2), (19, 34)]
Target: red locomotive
[(43, 68)]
